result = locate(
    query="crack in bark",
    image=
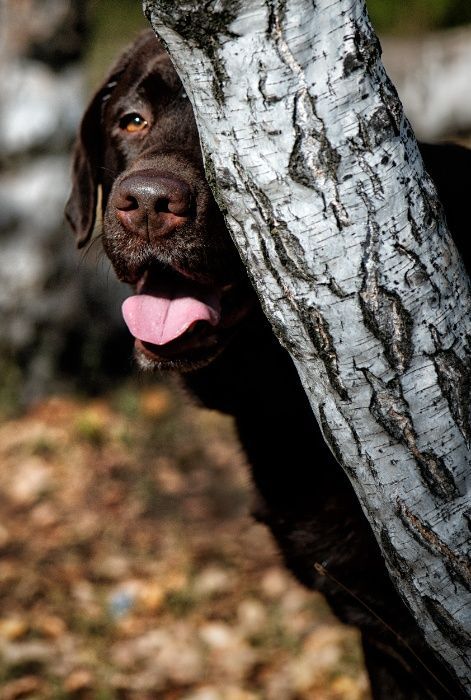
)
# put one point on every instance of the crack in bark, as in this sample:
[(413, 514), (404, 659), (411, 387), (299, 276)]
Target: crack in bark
[(276, 16), (336, 289), (454, 379), (319, 333), (396, 561), (366, 53), (289, 345), (313, 159), (383, 311), (414, 226), (363, 136), (380, 127), (259, 198), (430, 209), (419, 273), (333, 442), (447, 624), (423, 533), (360, 144), (391, 411), (384, 122), (201, 25), (224, 180), (290, 253), (267, 99), (392, 104), (376, 184), (371, 465)]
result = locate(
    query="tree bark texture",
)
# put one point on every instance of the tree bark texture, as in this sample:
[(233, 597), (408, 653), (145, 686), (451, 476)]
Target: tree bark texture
[(323, 188)]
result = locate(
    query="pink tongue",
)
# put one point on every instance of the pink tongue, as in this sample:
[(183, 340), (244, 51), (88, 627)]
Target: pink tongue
[(159, 319)]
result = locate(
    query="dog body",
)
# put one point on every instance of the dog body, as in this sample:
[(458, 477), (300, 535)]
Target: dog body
[(195, 312)]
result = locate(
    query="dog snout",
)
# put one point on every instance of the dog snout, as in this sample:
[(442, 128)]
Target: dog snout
[(151, 204)]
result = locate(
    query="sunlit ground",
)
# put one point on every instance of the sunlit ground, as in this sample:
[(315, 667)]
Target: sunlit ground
[(131, 567)]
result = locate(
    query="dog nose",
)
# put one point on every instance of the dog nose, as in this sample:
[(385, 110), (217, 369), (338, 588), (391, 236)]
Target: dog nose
[(152, 205)]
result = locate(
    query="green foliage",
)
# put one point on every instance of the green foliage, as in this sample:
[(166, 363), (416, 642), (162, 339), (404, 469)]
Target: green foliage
[(89, 427), (417, 16), (114, 23)]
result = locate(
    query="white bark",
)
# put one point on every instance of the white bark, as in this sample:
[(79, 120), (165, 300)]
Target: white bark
[(324, 191)]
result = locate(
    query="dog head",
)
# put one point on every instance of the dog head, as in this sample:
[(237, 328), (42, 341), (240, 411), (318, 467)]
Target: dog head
[(162, 229)]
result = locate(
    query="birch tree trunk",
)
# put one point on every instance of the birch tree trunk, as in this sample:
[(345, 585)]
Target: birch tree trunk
[(323, 188)]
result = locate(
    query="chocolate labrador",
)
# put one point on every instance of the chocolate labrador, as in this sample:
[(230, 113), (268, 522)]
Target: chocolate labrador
[(194, 311)]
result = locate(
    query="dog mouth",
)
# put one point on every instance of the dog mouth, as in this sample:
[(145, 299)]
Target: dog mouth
[(179, 321)]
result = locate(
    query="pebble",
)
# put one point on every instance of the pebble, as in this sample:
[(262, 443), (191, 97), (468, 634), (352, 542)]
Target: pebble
[(81, 679), (32, 478), (274, 583), (21, 688), (212, 581), (217, 635), (252, 616), (12, 628)]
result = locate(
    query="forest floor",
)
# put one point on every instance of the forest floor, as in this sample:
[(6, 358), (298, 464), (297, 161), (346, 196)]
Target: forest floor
[(130, 567)]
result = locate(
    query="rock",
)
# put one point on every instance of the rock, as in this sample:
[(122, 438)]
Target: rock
[(347, 688), (112, 567), (151, 596), (252, 616), (217, 635), (320, 655), (21, 688), (169, 479), (81, 679), (206, 693), (123, 599), (212, 581), (16, 653), (172, 654), (228, 651), (44, 515), (274, 583), (12, 628), (50, 626), (31, 479), (181, 662)]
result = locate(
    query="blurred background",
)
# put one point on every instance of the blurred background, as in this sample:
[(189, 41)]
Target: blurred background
[(129, 564)]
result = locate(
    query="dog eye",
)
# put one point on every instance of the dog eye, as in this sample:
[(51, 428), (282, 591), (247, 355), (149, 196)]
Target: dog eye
[(132, 123)]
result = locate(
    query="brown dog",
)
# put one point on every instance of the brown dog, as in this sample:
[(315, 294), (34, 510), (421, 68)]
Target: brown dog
[(194, 310)]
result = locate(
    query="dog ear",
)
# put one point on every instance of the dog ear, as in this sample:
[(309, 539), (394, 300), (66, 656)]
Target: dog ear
[(80, 210)]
